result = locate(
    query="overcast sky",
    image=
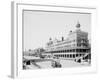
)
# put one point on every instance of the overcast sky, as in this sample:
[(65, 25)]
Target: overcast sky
[(40, 26)]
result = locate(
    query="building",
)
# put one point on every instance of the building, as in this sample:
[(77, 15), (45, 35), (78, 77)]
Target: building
[(35, 52), (76, 45), (28, 53)]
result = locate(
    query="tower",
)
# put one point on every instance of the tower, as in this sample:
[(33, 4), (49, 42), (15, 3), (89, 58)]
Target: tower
[(78, 25)]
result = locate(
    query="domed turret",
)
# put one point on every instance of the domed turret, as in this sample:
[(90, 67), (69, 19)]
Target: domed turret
[(78, 25), (50, 39)]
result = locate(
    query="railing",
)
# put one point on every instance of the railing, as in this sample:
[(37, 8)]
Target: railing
[(82, 57)]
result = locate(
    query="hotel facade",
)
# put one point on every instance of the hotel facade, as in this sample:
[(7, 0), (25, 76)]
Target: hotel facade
[(76, 45)]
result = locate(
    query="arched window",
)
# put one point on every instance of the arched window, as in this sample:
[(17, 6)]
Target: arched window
[(70, 55), (67, 55), (73, 55), (76, 55)]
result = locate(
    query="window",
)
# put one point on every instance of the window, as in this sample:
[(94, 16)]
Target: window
[(70, 50), (73, 55), (73, 40), (67, 50), (76, 55), (67, 55), (70, 55), (73, 50)]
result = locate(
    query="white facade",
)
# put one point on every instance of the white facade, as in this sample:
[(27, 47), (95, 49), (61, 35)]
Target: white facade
[(76, 45)]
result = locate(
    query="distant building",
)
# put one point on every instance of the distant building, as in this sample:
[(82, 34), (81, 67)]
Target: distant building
[(35, 52), (76, 45), (28, 53)]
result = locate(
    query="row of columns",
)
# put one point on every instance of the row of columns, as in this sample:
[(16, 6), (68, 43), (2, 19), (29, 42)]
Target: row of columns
[(70, 50), (69, 55)]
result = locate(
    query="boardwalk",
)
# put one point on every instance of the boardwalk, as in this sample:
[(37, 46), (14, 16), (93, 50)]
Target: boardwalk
[(64, 63)]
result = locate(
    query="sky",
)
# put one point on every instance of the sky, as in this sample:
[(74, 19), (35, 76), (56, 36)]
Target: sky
[(39, 26)]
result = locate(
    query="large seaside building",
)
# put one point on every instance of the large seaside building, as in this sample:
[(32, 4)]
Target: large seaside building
[(76, 45)]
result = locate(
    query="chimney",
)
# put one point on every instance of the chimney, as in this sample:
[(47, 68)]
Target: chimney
[(50, 38), (62, 38), (70, 31)]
